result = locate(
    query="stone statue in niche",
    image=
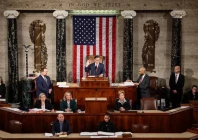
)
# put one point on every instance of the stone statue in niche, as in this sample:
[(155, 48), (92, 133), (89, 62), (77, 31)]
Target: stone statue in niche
[(151, 30), (37, 35)]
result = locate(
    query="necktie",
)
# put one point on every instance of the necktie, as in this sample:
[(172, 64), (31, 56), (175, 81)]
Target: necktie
[(176, 78), (61, 126), (141, 79), (96, 68), (45, 79)]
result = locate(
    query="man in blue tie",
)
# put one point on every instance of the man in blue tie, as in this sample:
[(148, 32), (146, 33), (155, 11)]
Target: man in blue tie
[(43, 84), (61, 126), (96, 68)]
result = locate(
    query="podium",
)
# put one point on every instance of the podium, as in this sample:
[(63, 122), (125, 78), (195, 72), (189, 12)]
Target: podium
[(95, 82), (96, 105)]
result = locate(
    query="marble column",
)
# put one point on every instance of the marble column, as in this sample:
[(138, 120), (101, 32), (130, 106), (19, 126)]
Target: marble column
[(176, 37), (128, 44), (60, 44), (13, 75)]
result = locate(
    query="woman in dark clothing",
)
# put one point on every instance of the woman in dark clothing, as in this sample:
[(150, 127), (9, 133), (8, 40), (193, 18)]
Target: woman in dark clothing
[(122, 103), (106, 125)]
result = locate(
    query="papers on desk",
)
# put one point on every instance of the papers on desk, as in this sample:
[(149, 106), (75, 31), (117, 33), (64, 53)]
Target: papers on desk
[(59, 111), (88, 134), (185, 106), (103, 136), (62, 84), (62, 136), (48, 135), (106, 133), (14, 109), (2, 99), (128, 83)]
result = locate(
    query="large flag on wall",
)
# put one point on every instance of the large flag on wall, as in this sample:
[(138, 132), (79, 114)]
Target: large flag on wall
[(94, 36)]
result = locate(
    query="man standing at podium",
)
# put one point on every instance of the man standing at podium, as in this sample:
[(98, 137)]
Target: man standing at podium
[(96, 68)]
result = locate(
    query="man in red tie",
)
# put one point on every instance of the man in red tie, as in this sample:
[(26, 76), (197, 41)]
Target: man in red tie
[(143, 84), (96, 68), (176, 83)]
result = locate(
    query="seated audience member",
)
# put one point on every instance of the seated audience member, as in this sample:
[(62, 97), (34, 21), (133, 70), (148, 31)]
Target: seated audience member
[(106, 125), (191, 95), (68, 104), (2, 88), (61, 126), (121, 103), (43, 103)]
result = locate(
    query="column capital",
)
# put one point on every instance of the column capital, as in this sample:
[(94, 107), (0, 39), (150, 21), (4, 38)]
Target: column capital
[(60, 14), (11, 13), (178, 13), (128, 13)]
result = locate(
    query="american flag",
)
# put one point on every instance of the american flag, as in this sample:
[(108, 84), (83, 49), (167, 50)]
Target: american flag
[(94, 36)]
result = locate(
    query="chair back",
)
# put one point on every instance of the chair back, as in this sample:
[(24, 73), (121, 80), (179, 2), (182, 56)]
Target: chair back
[(140, 128), (153, 82), (148, 104), (91, 58), (15, 126)]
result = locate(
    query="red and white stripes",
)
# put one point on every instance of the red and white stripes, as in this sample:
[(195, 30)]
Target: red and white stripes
[(105, 46)]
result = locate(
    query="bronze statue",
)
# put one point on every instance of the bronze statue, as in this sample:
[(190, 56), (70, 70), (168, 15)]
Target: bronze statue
[(37, 29), (152, 30)]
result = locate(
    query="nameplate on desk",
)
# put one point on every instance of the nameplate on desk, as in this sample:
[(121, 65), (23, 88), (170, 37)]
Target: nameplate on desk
[(63, 86)]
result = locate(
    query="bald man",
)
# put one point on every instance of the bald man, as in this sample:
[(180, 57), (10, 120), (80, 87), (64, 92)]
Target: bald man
[(176, 83), (61, 126), (143, 84)]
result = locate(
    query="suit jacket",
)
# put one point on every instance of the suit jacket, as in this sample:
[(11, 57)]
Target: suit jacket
[(48, 105), (126, 105), (189, 96), (65, 128), (176, 86), (42, 86), (92, 69), (106, 126), (144, 86), (2, 90), (63, 105)]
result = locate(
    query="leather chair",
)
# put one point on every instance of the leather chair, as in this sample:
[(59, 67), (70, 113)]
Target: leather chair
[(154, 87), (148, 104), (91, 60), (140, 128), (15, 126)]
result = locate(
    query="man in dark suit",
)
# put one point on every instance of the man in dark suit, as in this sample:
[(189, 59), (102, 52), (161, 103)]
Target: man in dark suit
[(191, 95), (43, 83), (96, 68), (61, 126), (143, 84), (176, 83)]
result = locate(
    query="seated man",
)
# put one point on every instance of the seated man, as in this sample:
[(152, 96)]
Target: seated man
[(122, 103), (191, 95), (43, 103), (68, 104), (61, 126), (106, 125), (95, 69)]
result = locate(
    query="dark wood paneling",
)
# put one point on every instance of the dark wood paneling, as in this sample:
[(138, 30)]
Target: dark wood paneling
[(165, 122)]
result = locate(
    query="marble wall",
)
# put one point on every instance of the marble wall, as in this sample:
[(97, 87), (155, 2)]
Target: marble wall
[(162, 51)]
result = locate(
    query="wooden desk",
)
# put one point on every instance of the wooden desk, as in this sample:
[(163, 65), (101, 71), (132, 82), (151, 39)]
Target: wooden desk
[(195, 111), (96, 105), (175, 121), (80, 93), (76, 136)]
